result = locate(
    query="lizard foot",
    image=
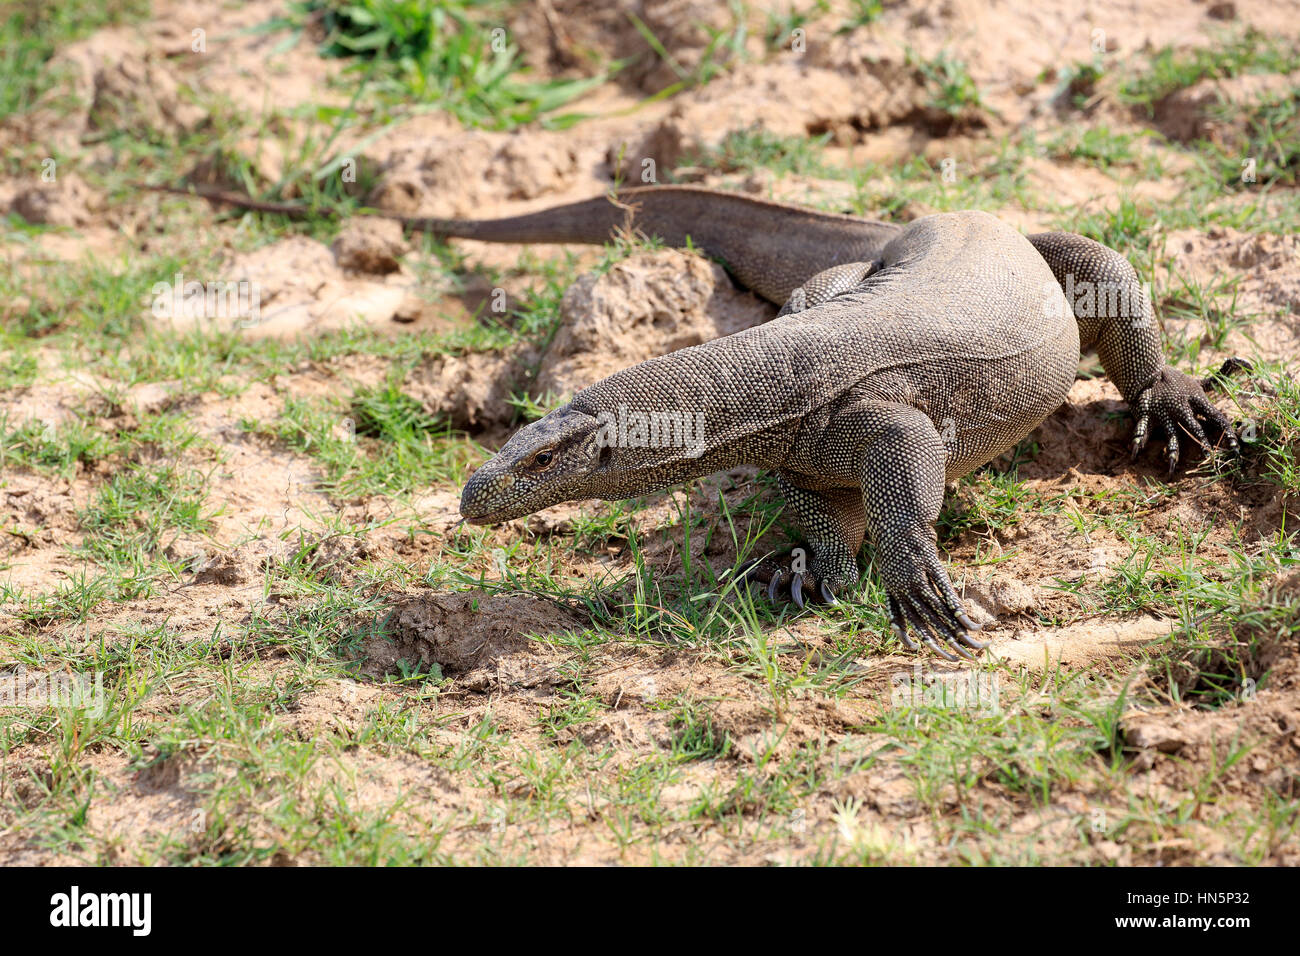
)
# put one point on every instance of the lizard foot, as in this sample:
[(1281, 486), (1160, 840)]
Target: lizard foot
[(778, 573), (1177, 402), (922, 598)]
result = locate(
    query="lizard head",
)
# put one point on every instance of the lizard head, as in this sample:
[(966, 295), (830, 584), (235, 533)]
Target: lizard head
[(550, 461)]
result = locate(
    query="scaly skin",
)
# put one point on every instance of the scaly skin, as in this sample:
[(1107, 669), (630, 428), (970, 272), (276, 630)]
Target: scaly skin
[(902, 358)]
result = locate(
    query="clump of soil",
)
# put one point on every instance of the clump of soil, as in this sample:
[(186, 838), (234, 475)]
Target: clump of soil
[(645, 306), (471, 391), (1192, 113), (469, 634), (64, 201), (369, 245)]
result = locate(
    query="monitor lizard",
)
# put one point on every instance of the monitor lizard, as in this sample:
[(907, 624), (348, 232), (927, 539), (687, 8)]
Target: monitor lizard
[(903, 358)]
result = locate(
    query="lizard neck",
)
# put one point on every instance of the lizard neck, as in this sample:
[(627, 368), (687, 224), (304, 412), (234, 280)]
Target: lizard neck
[(656, 431)]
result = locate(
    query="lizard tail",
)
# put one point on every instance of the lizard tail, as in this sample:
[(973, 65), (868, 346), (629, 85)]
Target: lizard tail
[(589, 221)]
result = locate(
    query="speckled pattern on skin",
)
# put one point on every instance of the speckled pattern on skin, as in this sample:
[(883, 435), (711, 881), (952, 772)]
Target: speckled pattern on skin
[(958, 342)]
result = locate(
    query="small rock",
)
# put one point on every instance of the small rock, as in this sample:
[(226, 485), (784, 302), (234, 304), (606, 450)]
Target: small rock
[(1000, 597), (408, 310), (369, 245), (1150, 734), (67, 201)]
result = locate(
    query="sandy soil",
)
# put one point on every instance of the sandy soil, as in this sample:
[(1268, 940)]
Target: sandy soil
[(498, 648)]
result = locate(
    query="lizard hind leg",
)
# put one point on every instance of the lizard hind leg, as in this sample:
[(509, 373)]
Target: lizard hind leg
[(1115, 315), (827, 284)]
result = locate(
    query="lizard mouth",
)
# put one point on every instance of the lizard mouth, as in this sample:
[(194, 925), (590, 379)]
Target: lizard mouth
[(476, 501), (481, 521), (470, 514)]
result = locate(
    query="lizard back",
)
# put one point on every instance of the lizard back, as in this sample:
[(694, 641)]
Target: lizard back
[(986, 351)]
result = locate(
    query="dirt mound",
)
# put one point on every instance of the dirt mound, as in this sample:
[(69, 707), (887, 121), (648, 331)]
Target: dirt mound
[(67, 201), (472, 390), (297, 285), (999, 597), (827, 91), (573, 37), (1194, 112), (482, 639), (114, 81), (168, 74), (373, 246), (433, 168), (648, 305)]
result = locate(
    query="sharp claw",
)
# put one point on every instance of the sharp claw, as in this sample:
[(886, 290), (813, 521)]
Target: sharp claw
[(772, 587), (743, 572), (901, 633), (932, 617), (930, 642), (961, 651), (964, 620), (972, 643), (1140, 437), (796, 590), (1230, 367), (1225, 437), (828, 595)]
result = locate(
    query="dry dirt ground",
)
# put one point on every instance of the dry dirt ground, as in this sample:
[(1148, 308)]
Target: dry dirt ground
[(244, 525)]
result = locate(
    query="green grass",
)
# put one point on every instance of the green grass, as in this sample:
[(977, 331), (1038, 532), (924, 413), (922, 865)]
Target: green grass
[(862, 13), (378, 442), (750, 150), (991, 182), (952, 89), (31, 32), (1267, 149), (1170, 69), (251, 714), (134, 519), (725, 47), (453, 54)]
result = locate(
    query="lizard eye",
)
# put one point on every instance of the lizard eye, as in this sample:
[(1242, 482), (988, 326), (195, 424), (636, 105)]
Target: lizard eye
[(542, 459)]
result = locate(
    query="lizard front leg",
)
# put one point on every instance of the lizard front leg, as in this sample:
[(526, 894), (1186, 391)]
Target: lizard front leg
[(894, 455), (833, 522), (1115, 315), (901, 463)]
